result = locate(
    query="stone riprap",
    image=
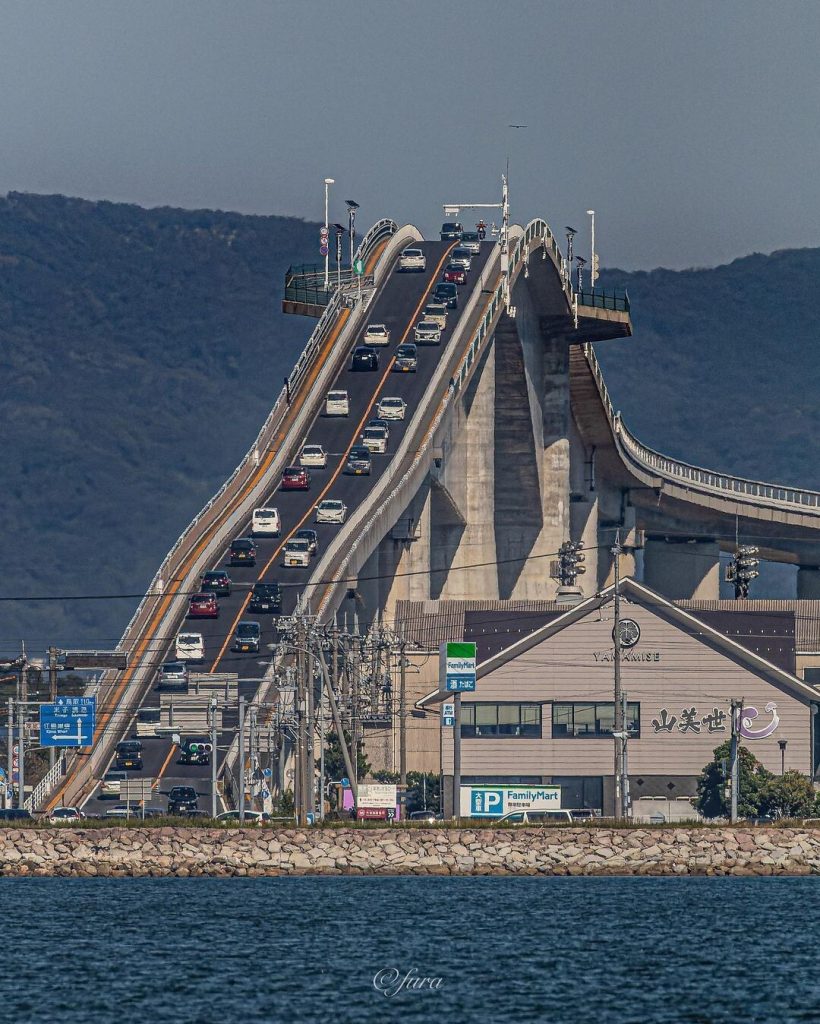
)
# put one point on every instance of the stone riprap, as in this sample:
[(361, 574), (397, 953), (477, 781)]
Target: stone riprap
[(185, 852)]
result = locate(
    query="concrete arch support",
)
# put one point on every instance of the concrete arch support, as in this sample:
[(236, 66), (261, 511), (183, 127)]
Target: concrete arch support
[(682, 569)]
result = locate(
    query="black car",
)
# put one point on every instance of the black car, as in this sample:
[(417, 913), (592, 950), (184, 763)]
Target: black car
[(247, 637), (451, 232), (15, 814), (128, 762), (242, 552), (129, 747), (406, 359), (364, 358), (182, 800), (311, 537), (266, 597), (215, 581), (358, 461), (447, 293)]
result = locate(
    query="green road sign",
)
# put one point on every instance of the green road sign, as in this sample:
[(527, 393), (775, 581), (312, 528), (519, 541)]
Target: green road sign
[(358, 267)]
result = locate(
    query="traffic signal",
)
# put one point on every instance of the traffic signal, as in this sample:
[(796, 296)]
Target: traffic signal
[(569, 567)]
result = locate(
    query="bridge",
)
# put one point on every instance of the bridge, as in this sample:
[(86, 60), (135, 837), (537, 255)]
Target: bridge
[(510, 446)]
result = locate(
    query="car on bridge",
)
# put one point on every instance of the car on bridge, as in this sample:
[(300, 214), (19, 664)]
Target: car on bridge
[(451, 231), (337, 403), (462, 257), (173, 675), (311, 537), (406, 359), (376, 334), (331, 511), (296, 554), (242, 551), (364, 358), (203, 606), (412, 259), (215, 581), (427, 332), (391, 408), (471, 242), (376, 422), (313, 455), (358, 461), (190, 647), (437, 312), (375, 440), (247, 637), (295, 478), (128, 755), (182, 800), (446, 292), (266, 597), (266, 522), (455, 274), (110, 783)]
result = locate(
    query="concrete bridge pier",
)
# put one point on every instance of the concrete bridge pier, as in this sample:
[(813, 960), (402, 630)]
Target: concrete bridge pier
[(683, 568), (808, 582)]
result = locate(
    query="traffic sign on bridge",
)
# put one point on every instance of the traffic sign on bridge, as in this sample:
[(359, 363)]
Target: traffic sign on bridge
[(69, 722)]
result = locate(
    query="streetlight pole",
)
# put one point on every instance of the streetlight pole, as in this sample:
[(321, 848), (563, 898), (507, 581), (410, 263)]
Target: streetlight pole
[(571, 233), (593, 273), (242, 760), (619, 708), (328, 183), (214, 754)]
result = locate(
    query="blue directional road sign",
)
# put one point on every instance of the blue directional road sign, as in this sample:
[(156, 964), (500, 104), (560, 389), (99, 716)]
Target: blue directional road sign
[(69, 722)]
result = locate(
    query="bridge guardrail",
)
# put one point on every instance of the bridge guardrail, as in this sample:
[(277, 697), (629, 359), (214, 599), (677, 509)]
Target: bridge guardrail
[(695, 477), (536, 230), (380, 231), (600, 298)]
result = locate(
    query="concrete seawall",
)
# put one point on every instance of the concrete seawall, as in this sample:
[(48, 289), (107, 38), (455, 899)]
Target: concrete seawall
[(181, 852)]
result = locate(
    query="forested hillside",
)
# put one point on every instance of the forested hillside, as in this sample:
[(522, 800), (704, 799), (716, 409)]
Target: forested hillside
[(141, 350)]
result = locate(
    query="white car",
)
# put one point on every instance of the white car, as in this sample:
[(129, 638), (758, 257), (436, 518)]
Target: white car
[(437, 312), (461, 257), (190, 647), (297, 553), (471, 241), (60, 815), (412, 259), (376, 334), (391, 408), (331, 511), (375, 439), (251, 817), (266, 522), (313, 455), (427, 332), (337, 404)]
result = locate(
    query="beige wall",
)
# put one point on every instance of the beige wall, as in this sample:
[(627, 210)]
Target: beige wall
[(688, 673)]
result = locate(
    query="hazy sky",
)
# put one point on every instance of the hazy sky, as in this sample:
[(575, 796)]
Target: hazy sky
[(691, 127)]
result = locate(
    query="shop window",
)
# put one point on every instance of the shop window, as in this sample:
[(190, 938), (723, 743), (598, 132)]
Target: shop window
[(500, 720), (581, 719)]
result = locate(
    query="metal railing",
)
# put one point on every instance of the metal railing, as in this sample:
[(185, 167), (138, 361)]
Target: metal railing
[(166, 573), (46, 784), (603, 299), (695, 477), (537, 231)]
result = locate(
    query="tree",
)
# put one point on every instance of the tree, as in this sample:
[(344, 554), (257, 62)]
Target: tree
[(423, 791), (790, 795), (713, 800), (335, 767)]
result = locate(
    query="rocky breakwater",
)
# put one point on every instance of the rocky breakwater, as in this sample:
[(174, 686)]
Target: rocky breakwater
[(184, 852)]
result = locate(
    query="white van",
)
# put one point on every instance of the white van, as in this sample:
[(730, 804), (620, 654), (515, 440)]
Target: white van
[(265, 522), (337, 404), (190, 647)]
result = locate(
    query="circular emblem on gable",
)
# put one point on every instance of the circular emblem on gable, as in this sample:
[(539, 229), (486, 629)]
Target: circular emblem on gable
[(630, 632)]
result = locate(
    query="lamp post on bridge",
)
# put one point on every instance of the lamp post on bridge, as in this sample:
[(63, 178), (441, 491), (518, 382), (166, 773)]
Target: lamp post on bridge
[(581, 262), (593, 270), (571, 233), (352, 207), (328, 183)]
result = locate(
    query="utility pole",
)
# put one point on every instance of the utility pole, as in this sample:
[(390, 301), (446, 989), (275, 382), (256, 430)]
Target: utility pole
[(301, 808), (52, 694), (310, 738), (254, 753), (619, 709), (242, 760), (7, 801), (734, 760), (403, 721), (457, 757), (214, 753)]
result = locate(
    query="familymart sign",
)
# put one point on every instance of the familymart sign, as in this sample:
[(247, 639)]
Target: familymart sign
[(457, 667)]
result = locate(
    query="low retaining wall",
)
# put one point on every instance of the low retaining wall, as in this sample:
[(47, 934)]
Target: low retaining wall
[(187, 852)]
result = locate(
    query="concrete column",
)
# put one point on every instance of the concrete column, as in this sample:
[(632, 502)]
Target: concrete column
[(404, 555), (690, 569), (808, 582)]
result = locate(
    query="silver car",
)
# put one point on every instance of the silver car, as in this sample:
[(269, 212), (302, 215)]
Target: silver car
[(461, 257), (391, 408), (427, 332), (412, 259)]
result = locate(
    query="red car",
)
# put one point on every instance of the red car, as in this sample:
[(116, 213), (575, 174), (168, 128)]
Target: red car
[(455, 275), (296, 478), (203, 606)]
